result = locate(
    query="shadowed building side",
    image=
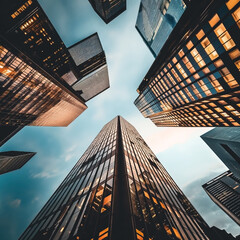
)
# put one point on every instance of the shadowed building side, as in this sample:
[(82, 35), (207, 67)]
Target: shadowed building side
[(13, 160)]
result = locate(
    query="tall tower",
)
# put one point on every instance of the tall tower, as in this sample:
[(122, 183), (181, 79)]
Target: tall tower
[(117, 190), (13, 160), (194, 80), (108, 9), (225, 142), (156, 20), (224, 190)]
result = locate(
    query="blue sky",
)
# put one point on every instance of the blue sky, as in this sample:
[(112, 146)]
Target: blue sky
[(186, 157)]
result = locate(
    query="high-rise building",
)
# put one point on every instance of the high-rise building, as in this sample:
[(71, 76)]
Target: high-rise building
[(31, 96), (156, 20), (7, 132), (224, 190), (108, 9), (13, 160), (117, 190), (90, 60), (194, 81), (26, 26), (225, 142)]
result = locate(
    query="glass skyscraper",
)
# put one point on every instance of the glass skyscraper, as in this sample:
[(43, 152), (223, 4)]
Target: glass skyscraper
[(108, 9), (117, 190), (91, 63), (156, 20), (13, 160), (224, 190), (31, 96), (225, 142), (195, 79)]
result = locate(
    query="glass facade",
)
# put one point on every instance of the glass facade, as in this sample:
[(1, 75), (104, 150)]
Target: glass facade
[(225, 142), (90, 60), (195, 79), (117, 190), (224, 190), (30, 96), (10, 161), (108, 9), (156, 20), (28, 28)]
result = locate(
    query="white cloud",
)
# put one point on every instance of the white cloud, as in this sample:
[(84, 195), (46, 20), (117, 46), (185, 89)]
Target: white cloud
[(15, 203), (46, 174)]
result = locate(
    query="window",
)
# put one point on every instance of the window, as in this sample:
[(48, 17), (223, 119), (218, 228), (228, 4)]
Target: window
[(214, 20), (231, 3), (236, 16), (209, 49), (224, 37)]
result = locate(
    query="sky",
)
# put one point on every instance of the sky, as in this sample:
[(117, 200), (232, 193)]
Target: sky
[(184, 154)]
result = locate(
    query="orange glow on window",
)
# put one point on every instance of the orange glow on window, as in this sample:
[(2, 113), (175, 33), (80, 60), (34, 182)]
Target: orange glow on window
[(231, 3), (224, 37), (103, 236), (176, 233), (103, 231), (200, 34), (214, 20), (189, 45), (236, 16)]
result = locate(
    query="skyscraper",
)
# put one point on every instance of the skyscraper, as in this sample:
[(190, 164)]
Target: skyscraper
[(224, 190), (31, 96), (90, 60), (117, 190), (194, 81), (108, 9), (26, 26), (156, 20), (13, 160), (225, 142)]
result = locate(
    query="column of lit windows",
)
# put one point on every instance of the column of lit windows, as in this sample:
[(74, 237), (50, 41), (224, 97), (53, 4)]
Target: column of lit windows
[(214, 77)]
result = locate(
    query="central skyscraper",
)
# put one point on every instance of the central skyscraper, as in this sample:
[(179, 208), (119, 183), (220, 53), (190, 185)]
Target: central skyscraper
[(117, 190)]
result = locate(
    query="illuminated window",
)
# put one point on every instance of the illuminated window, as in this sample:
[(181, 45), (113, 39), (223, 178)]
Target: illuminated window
[(189, 45), (200, 34), (236, 16), (209, 49), (237, 63), (234, 54), (214, 20), (231, 3), (224, 37), (197, 57)]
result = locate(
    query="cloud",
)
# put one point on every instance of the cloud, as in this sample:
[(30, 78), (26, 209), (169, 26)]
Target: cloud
[(46, 174), (15, 203), (171, 137)]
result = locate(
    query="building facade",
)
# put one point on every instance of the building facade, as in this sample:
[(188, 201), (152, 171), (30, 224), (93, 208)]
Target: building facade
[(108, 9), (27, 27), (156, 20), (31, 96), (13, 160), (90, 59), (117, 190), (194, 81), (225, 142), (224, 190)]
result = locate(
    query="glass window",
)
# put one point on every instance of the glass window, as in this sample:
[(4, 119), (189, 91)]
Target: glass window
[(224, 37), (231, 3), (236, 16), (214, 20)]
